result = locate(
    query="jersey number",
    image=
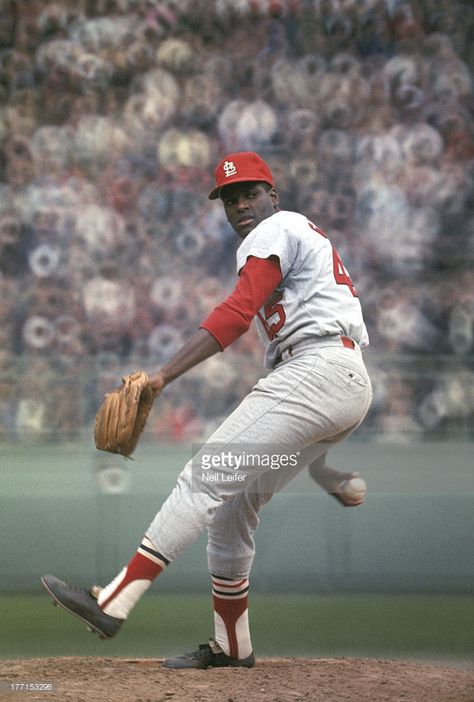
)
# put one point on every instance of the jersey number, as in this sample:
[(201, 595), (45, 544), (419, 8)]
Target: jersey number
[(341, 276), (271, 309)]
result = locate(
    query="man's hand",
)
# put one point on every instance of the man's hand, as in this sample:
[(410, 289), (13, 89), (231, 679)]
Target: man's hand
[(123, 414)]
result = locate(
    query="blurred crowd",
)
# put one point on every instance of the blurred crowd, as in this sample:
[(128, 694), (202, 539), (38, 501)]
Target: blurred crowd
[(113, 114)]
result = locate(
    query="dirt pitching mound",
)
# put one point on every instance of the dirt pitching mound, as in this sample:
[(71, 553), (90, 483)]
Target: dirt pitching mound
[(272, 680)]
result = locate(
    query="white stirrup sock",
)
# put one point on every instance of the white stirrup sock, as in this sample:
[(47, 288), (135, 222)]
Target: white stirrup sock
[(119, 597), (231, 622)]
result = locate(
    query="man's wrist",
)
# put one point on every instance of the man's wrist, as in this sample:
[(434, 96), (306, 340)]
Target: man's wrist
[(158, 382)]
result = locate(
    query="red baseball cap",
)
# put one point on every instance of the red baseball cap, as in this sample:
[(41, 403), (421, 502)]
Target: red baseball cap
[(238, 168)]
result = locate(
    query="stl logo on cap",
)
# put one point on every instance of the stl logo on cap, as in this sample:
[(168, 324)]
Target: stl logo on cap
[(238, 168), (229, 168)]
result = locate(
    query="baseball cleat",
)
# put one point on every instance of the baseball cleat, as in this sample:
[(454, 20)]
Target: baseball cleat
[(82, 604), (208, 655), (333, 481)]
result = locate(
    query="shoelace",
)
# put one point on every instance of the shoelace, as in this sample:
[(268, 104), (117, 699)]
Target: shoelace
[(74, 588), (203, 651), (80, 591)]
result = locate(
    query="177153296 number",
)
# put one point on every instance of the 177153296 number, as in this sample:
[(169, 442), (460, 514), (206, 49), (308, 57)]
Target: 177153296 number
[(26, 686)]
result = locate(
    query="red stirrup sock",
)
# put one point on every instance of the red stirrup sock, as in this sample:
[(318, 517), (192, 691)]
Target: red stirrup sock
[(119, 597), (231, 622)]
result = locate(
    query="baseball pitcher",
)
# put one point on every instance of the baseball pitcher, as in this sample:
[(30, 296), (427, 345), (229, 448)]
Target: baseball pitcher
[(317, 392)]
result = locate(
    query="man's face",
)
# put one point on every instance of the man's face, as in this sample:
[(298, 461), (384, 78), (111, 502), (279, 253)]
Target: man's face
[(248, 204)]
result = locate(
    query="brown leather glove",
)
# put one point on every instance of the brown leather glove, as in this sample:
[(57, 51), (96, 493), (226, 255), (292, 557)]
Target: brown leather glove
[(123, 414)]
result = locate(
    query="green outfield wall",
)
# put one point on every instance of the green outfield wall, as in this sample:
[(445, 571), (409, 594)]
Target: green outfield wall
[(77, 513)]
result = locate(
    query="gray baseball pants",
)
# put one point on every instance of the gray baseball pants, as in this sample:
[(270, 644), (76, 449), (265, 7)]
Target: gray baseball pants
[(308, 403)]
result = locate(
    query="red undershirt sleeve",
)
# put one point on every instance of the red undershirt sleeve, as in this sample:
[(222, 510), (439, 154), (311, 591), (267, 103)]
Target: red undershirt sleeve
[(258, 279)]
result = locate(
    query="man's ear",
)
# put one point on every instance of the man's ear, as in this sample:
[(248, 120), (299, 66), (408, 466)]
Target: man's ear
[(275, 197)]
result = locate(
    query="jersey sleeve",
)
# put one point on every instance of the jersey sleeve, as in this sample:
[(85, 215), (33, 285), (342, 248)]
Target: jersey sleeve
[(270, 238), (258, 279)]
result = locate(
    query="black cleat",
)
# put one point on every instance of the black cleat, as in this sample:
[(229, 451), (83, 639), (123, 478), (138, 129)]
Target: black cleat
[(209, 655), (82, 604)]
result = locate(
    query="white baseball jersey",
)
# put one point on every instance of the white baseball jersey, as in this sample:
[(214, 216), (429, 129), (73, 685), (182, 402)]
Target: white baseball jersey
[(316, 296)]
